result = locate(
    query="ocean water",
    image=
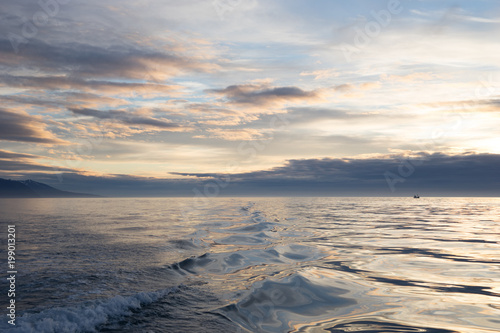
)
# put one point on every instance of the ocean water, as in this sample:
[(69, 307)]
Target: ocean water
[(254, 265)]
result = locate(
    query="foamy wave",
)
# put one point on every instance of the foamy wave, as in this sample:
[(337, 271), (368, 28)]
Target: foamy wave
[(88, 317)]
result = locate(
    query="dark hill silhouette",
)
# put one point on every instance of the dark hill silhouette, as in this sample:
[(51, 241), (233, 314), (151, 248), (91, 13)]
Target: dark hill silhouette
[(32, 189)]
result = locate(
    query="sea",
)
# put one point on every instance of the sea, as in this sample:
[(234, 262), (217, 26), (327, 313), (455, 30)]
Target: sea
[(252, 265)]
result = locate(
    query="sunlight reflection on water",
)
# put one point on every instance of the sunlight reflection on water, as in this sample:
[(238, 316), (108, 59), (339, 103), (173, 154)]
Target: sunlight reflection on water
[(262, 264)]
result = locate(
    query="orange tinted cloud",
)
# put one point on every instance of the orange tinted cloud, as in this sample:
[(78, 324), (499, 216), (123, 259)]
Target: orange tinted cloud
[(233, 134), (265, 94), (419, 76), (23, 127)]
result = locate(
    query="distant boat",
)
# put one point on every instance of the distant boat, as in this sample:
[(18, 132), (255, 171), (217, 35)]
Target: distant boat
[(416, 196)]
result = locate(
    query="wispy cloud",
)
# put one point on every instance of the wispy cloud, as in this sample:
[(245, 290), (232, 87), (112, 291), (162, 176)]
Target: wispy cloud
[(64, 83), (264, 94), (158, 87), (91, 61), (234, 134), (128, 118), (25, 128), (12, 164), (435, 173)]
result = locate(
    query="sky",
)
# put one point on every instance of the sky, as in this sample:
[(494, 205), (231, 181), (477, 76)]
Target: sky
[(252, 97)]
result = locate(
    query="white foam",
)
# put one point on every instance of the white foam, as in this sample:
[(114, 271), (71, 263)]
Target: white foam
[(85, 318)]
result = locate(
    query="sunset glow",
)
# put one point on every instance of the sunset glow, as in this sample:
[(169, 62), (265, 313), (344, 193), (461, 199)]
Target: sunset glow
[(190, 87)]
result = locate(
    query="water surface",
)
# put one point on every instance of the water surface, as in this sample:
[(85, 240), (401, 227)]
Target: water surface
[(256, 264)]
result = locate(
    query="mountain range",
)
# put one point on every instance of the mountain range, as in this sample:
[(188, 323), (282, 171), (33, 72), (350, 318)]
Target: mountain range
[(32, 189)]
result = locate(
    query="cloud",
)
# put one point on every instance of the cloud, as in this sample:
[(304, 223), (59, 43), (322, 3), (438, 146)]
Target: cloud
[(433, 174), (4, 154), (59, 101), (463, 107), (12, 163), (116, 184), (61, 83), (304, 115), (128, 118), (454, 14), (344, 140), (418, 76), (235, 76), (233, 134), (213, 113), (264, 95), (436, 173), (25, 167), (322, 73), (25, 128), (92, 61), (343, 87), (370, 85)]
